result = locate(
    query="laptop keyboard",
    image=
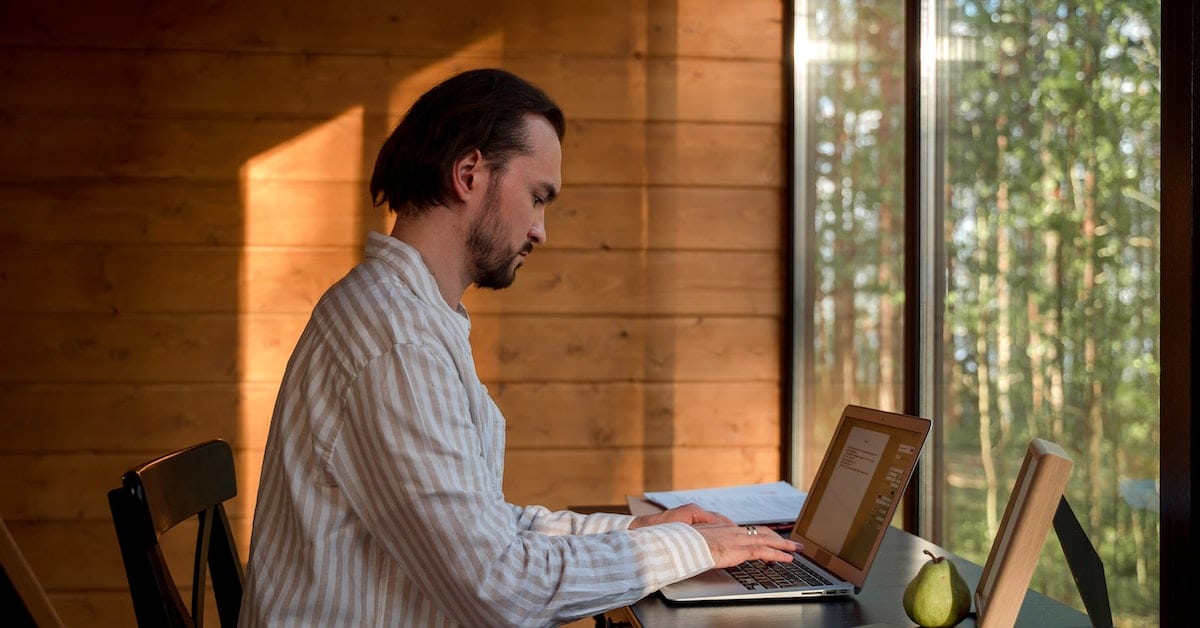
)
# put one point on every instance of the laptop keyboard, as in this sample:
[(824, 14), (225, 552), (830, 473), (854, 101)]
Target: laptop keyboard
[(757, 574)]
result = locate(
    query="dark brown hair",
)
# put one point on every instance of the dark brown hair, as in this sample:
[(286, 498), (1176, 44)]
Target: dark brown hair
[(478, 109)]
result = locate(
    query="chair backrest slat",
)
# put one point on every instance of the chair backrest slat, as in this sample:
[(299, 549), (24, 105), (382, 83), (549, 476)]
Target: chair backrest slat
[(183, 483)]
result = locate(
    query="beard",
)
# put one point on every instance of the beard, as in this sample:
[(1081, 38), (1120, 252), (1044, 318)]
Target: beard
[(491, 257)]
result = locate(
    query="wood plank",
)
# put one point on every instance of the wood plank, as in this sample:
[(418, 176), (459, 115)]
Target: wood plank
[(84, 555), (509, 26), (135, 82), (110, 348), (72, 418), (713, 90), (668, 218), (672, 154), (340, 149), (556, 479), (629, 414), (715, 154), (169, 279), (288, 148), (144, 279), (189, 212), (606, 476), (297, 213), (75, 486), (742, 29), (98, 608), (556, 349), (676, 283), (655, 89), (165, 348), (711, 218), (735, 28), (701, 467), (185, 82)]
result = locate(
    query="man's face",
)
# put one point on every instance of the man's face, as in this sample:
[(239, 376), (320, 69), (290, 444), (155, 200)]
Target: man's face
[(513, 213)]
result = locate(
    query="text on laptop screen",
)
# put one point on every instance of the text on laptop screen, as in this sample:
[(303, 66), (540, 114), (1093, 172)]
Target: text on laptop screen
[(856, 488)]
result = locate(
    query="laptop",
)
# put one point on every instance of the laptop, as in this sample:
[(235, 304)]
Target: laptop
[(849, 507)]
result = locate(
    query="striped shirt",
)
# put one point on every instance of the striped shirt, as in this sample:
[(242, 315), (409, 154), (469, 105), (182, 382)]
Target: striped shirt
[(380, 502)]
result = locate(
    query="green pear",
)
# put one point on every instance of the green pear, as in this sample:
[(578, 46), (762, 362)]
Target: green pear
[(937, 596)]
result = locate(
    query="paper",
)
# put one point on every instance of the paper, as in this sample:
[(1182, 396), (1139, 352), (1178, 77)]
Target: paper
[(774, 502)]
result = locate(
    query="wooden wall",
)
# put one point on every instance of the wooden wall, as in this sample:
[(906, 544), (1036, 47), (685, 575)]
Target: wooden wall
[(179, 182)]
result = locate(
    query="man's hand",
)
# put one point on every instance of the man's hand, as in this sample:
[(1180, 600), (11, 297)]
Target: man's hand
[(690, 514), (731, 545)]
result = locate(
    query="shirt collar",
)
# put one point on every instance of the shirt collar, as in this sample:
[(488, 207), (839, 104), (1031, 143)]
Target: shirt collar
[(408, 264)]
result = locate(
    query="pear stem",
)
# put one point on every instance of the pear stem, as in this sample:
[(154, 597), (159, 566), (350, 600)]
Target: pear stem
[(935, 559)]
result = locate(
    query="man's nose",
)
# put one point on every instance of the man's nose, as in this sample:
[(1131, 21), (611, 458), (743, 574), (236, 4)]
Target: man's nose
[(537, 232)]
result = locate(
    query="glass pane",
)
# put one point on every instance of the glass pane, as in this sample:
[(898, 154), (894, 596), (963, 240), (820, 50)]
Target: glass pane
[(849, 216), (1048, 128)]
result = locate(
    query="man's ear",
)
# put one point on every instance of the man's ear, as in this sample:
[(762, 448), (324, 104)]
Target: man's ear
[(465, 179)]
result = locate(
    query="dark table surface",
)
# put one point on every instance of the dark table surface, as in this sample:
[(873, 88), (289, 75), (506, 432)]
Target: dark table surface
[(880, 602)]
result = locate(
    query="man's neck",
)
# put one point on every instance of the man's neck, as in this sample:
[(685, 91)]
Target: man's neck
[(440, 236)]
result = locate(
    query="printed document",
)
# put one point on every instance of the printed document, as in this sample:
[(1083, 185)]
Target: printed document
[(773, 502)]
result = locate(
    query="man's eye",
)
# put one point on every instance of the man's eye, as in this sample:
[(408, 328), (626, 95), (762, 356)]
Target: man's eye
[(537, 200)]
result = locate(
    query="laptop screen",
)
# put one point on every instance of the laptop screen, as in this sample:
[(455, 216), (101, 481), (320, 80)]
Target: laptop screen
[(858, 487)]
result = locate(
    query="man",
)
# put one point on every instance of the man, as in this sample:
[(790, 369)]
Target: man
[(380, 502)]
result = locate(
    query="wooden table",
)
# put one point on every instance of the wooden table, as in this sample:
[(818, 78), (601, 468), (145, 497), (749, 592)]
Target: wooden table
[(879, 604)]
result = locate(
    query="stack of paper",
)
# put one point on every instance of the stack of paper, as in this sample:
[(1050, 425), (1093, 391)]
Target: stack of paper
[(770, 503)]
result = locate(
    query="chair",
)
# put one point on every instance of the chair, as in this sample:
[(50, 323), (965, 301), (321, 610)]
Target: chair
[(23, 602), (156, 496)]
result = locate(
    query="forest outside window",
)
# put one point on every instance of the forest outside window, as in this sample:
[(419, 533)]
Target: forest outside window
[(1039, 167)]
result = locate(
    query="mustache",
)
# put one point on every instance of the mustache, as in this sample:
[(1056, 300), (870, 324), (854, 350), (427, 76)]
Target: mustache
[(527, 248)]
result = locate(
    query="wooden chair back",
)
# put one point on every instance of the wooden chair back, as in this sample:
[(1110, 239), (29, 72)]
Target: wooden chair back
[(155, 497)]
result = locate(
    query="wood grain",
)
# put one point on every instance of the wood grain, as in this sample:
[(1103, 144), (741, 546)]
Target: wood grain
[(138, 279), (120, 82), (180, 183), (342, 149), (71, 417), (177, 348), (166, 212)]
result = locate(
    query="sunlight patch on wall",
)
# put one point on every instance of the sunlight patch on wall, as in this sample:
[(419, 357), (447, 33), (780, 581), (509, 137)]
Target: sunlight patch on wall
[(302, 203), (306, 190)]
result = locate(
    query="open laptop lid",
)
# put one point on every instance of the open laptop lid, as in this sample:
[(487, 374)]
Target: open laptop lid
[(857, 489)]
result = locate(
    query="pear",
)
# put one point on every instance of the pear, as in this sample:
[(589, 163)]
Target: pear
[(937, 596)]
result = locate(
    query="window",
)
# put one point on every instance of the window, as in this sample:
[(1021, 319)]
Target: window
[(1039, 171), (849, 217)]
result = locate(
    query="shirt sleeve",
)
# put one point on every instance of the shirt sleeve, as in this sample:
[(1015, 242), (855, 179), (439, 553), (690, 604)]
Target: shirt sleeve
[(410, 462), (541, 519)]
